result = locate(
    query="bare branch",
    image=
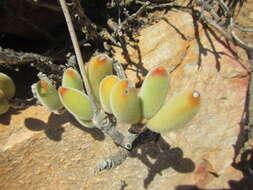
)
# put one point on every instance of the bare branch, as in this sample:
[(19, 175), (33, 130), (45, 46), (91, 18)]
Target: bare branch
[(87, 26), (241, 43), (223, 5), (242, 28), (45, 5), (78, 52)]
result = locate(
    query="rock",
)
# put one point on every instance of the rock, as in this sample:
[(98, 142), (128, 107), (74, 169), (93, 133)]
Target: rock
[(29, 19), (39, 150)]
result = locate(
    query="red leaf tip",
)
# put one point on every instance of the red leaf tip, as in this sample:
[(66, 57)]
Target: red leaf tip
[(62, 91), (70, 73), (43, 84), (159, 71), (102, 59)]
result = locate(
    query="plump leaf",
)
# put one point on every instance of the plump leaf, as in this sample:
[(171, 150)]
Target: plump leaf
[(105, 89), (76, 102), (7, 85), (85, 123), (48, 96), (72, 79), (180, 109), (125, 103), (98, 67), (4, 105), (154, 91)]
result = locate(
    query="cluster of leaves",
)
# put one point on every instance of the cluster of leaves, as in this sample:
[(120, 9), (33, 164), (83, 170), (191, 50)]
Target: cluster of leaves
[(7, 91), (119, 97)]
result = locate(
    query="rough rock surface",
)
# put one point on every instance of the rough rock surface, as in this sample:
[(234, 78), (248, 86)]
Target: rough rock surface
[(39, 150)]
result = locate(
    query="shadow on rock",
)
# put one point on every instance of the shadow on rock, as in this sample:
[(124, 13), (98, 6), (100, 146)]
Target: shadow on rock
[(160, 156), (6, 117), (53, 128), (94, 132), (246, 183)]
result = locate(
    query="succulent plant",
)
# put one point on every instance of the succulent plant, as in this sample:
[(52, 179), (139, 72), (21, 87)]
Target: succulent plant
[(85, 123), (7, 85), (105, 89), (180, 109), (48, 96), (72, 79), (119, 97), (125, 103), (98, 67), (154, 91), (76, 102), (7, 91), (4, 104)]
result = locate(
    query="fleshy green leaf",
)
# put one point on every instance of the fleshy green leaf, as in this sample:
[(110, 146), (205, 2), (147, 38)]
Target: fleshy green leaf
[(85, 123), (76, 102), (105, 89), (72, 79), (154, 91), (124, 102), (4, 105), (48, 96), (98, 67), (180, 109), (7, 85)]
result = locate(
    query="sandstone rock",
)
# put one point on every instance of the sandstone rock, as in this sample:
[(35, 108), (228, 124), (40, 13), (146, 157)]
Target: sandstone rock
[(39, 150)]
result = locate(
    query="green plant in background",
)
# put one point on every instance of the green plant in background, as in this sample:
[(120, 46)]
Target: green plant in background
[(7, 91)]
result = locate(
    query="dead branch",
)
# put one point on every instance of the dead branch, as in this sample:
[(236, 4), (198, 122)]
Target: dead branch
[(228, 31), (10, 58), (86, 25), (45, 5)]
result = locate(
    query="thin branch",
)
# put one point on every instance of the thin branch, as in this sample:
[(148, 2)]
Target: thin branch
[(217, 27), (250, 107), (87, 26), (45, 5), (223, 6), (242, 28), (35, 27), (78, 52), (136, 14), (241, 43)]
